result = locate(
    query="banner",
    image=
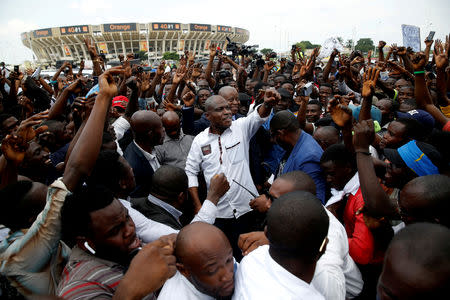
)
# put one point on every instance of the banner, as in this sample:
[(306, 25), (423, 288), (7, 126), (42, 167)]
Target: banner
[(200, 27), (74, 29), (67, 50), (119, 27), (143, 46), (103, 48), (42, 32), (166, 26), (227, 29), (181, 45), (207, 44), (411, 37), (328, 45)]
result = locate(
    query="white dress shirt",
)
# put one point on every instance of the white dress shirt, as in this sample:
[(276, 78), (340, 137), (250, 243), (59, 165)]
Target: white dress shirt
[(206, 214), (260, 277), (147, 230), (179, 288), (336, 276), (121, 125), (152, 159), (230, 158)]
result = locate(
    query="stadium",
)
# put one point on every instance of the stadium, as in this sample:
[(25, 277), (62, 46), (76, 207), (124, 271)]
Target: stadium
[(66, 43)]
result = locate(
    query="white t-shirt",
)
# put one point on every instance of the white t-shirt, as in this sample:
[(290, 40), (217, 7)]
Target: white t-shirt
[(260, 277)]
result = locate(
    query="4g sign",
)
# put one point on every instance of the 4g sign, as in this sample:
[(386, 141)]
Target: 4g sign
[(74, 29), (166, 26)]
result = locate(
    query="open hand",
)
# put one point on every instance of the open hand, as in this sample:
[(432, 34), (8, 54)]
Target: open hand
[(341, 114), (370, 80)]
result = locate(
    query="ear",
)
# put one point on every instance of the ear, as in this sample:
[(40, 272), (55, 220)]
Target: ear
[(122, 184), (185, 272), (181, 198)]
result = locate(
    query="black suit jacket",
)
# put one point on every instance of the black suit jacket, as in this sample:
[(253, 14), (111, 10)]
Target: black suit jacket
[(155, 212), (142, 170)]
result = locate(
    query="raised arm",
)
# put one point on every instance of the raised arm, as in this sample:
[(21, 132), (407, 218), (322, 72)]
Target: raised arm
[(376, 201), (326, 70), (370, 79), (58, 108), (86, 150), (209, 66), (97, 69), (381, 45), (421, 92), (441, 59)]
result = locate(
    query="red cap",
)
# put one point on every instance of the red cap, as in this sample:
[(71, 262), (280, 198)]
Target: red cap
[(120, 101)]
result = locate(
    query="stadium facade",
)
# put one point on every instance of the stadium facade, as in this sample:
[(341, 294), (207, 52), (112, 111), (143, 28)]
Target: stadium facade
[(66, 43)]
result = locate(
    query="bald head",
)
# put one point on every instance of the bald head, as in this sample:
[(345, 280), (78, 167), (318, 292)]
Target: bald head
[(205, 258), (212, 102), (226, 91), (300, 181), (326, 136), (147, 127), (297, 224), (417, 264), (171, 123)]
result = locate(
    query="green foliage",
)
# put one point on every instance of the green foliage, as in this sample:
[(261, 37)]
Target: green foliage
[(266, 51), (171, 56), (364, 45), (143, 55), (307, 45), (340, 39)]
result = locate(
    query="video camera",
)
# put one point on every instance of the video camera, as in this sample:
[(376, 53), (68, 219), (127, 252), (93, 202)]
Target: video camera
[(243, 50)]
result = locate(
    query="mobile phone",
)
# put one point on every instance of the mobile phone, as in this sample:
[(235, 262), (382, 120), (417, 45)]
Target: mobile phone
[(16, 69), (430, 35)]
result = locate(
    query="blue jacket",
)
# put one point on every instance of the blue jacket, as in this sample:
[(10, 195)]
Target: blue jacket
[(306, 157)]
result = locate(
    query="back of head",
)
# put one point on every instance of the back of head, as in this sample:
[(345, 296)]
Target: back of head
[(75, 213), (430, 201), (417, 264), (339, 155), (300, 181), (15, 205), (107, 171), (284, 120), (297, 225), (168, 182), (143, 121)]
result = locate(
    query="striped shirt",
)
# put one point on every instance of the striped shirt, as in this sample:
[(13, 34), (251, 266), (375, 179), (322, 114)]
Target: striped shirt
[(89, 277)]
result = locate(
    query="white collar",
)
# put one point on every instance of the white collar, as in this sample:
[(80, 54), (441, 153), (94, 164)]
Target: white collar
[(148, 156), (169, 208), (351, 187)]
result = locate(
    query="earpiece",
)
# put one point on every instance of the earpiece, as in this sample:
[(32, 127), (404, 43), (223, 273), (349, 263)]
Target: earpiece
[(89, 248)]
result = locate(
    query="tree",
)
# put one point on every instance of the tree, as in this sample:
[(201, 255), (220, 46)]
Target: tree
[(143, 55), (171, 56), (340, 40), (349, 43), (307, 45), (265, 51), (364, 45)]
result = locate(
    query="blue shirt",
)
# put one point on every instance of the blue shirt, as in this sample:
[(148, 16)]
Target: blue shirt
[(306, 157)]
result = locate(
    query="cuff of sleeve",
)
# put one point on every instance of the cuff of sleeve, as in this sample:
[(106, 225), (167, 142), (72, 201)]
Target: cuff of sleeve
[(192, 181), (257, 116)]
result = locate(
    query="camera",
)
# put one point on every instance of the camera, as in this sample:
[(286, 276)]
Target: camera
[(224, 74)]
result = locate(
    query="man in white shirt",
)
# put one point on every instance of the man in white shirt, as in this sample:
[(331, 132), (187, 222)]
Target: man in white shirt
[(297, 227), (148, 132), (223, 148), (336, 276), (205, 265)]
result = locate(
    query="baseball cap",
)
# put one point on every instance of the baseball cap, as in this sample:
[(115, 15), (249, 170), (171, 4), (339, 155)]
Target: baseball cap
[(422, 158), (419, 115), (120, 101)]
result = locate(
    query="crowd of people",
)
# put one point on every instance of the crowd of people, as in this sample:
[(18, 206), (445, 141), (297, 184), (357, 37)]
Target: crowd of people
[(241, 178)]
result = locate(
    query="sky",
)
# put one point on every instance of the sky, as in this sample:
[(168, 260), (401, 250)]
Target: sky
[(272, 24)]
